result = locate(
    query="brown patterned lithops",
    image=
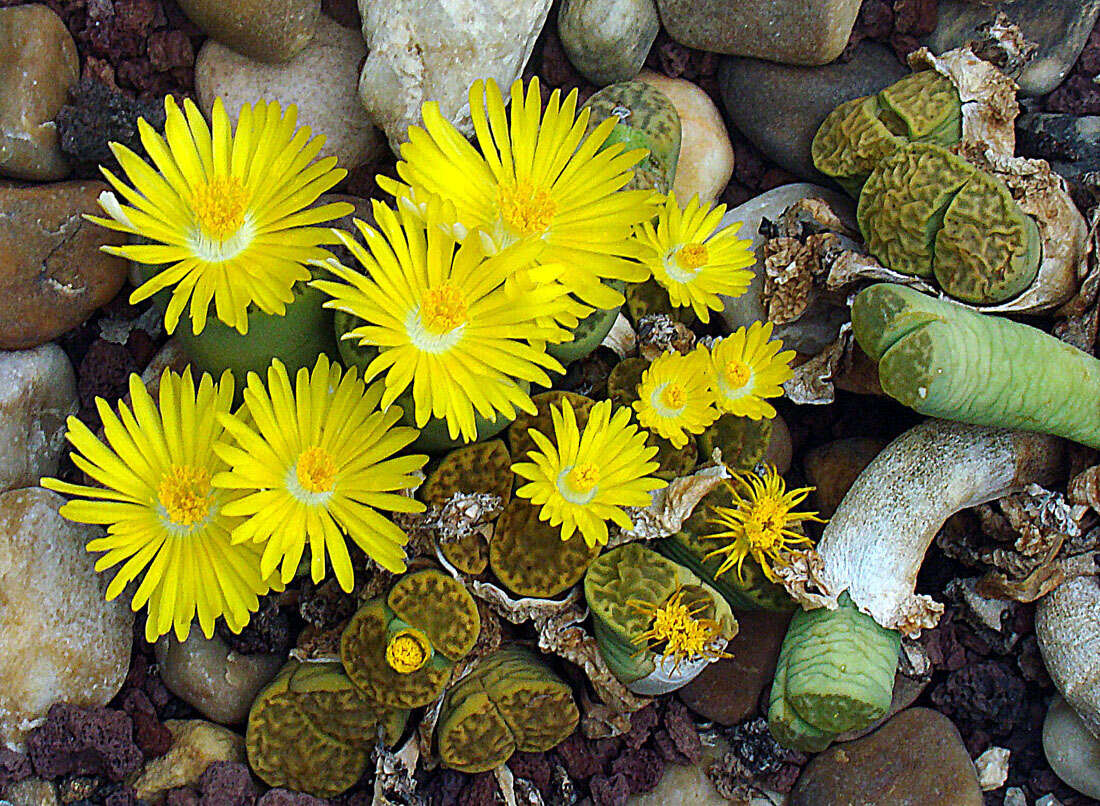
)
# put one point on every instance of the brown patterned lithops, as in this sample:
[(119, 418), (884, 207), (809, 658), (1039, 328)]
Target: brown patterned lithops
[(528, 555), (311, 730)]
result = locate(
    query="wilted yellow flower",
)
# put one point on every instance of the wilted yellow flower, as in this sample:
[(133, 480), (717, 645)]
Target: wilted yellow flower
[(676, 631), (674, 399), (745, 367), (408, 650)]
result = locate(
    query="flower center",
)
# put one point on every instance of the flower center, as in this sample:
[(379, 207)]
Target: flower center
[(673, 396), (526, 208), (764, 524), (220, 206), (736, 374), (692, 256), (184, 493), (316, 470), (408, 651), (583, 477), (442, 309)]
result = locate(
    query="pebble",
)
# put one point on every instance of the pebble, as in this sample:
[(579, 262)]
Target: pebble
[(38, 64), (1071, 143), (31, 792), (207, 674), (59, 640), (268, 30), (786, 31), (433, 50), (1059, 27), (681, 785), (834, 466), (53, 274), (196, 744), (705, 164), (1072, 752), (779, 107), (320, 81), (37, 393), (607, 40), (917, 758), (780, 449), (755, 650)]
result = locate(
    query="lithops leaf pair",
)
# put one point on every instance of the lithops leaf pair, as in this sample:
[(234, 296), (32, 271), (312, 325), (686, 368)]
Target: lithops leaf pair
[(858, 134), (520, 442), (925, 211), (400, 650), (511, 701), (528, 555), (312, 730)]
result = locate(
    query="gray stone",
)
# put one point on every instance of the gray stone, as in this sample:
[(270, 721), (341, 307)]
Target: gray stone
[(607, 40), (1070, 143), (268, 30), (1059, 27), (779, 107), (1071, 750), (787, 31)]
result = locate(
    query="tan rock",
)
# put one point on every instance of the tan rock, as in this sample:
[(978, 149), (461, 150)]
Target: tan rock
[(59, 640), (53, 274), (31, 792), (706, 154), (833, 467), (268, 30), (196, 744), (38, 64), (320, 81)]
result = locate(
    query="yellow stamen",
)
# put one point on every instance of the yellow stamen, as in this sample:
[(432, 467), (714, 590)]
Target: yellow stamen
[(736, 374), (219, 206), (408, 651), (674, 396), (316, 470), (583, 477), (676, 631), (184, 492), (526, 208), (692, 256), (442, 309)]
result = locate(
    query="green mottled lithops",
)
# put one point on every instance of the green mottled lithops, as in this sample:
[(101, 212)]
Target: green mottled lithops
[(647, 119), (528, 555), (510, 702), (743, 441), (588, 333), (483, 467), (312, 730), (400, 650)]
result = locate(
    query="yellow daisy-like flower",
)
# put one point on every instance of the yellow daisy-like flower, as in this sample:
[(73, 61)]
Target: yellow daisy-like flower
[(759, 524), (676, 631), (674, 399), (584, 480), (693, 259), (315, 462), (444, 321), (537, 179), (225, 211), (162, 515), (745, 367)]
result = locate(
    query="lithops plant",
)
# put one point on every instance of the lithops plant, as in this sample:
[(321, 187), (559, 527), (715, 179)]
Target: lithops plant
[(858, 134), (658, 624), (528, 555), (925, 211), (400, 650), (312, 730), (1067, 625), (742, 441), (520, 442), (511, 701), (944, 360)]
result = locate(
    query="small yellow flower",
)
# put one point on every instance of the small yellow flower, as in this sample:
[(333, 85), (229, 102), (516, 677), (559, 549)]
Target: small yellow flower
[(162, 515), (584, 480), (760, 522), (314, 463), (677, 632), (693, 259), (745, 367), (674, 399), (408, 650), (224, 211)]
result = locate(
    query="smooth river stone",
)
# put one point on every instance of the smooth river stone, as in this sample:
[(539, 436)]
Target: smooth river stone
[(268, 30)]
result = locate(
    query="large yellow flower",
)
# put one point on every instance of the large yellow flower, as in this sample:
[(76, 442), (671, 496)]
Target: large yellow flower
[(444, 320), (537, 178), (224, 211), (162, 515), (584, 480), (693, 259), (673, 397), (745, 367), (316, 461)]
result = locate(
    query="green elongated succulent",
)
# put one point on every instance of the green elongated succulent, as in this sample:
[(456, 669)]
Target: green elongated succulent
[(529, 557), (835, 673), (400, 650), (312, 730), (947, 361), (922, 107), (925, 211), (511, 701)]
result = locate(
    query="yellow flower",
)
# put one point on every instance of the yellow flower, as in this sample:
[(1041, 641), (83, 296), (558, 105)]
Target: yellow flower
[(162, 515), (583, 480), (745, 368), (537, 179), (674, 399), (408, 650), (760, 522), (677, 632), (443, 320), (225, 211), (693, 259), (315, 462)]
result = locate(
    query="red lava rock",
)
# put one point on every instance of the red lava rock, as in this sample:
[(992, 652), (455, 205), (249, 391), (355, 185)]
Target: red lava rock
[(445, 787), (480, 790), (285, 797), (85, 741), (583, 758), (151, 735), (987, 695), (104, 372), (917, 17), (13, 766), (168, 49), (681, 729), (267, 632), (533, 767), (613, 791), (182, 796), (642, 724), (227, 783), (642, 769), (122, 796)]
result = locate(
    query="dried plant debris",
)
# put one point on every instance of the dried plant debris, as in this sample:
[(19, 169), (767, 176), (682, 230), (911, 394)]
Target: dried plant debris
[(659, 333), (671, 506)]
